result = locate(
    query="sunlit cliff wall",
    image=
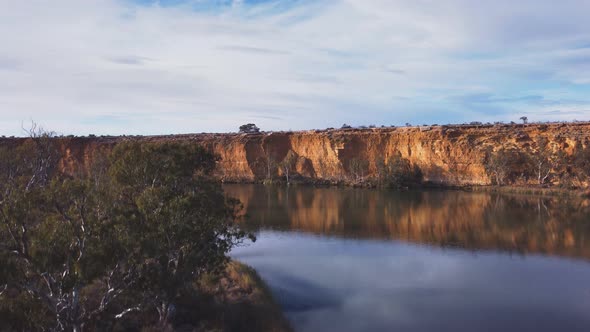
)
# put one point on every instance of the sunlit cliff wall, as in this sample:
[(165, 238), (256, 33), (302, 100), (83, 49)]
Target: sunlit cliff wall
[(445, 154)]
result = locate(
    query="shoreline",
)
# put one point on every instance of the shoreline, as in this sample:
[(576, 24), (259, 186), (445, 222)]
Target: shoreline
[(533, 191), (240, 300), (529, 190)]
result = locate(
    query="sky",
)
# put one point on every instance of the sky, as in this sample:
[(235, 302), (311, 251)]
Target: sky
[(187, 66)]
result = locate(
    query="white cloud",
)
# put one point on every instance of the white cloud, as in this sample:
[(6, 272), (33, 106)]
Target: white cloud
[(116, 67)]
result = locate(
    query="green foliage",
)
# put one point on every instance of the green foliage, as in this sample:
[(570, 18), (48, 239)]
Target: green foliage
[(183, 224), (126, 237)]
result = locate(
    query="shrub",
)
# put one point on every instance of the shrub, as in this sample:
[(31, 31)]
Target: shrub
[(398, 172)]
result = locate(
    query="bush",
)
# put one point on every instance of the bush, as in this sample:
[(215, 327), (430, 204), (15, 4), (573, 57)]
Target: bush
[(398, 172), (509, 166)]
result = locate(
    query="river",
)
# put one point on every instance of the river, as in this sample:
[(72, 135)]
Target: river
[(375, 260)]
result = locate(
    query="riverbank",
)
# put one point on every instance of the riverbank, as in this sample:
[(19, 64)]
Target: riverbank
[(239, 300), (534, 190)]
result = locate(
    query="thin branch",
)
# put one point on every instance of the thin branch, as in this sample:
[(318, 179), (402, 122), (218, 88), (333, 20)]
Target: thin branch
[(126, 311)]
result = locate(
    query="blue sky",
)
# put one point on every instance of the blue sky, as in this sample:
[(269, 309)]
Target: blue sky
[(181, 66)]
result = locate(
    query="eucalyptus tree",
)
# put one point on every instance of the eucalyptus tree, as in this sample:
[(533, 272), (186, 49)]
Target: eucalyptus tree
[(543, 160), (182, 224), (128, 235)]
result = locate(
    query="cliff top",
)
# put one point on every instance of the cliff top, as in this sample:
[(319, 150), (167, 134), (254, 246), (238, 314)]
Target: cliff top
[(484, 127)]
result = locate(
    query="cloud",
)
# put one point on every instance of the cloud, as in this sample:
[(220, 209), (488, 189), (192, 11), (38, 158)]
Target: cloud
[(9, 64), (250, 49), (194, 65), (128, 59), (475, 99)]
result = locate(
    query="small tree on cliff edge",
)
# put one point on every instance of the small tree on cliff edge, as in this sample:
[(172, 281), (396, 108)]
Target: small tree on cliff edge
[(249, 128)]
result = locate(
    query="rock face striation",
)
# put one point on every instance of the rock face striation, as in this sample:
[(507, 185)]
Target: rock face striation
[(444, 154)]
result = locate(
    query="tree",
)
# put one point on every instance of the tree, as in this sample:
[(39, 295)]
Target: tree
[(86, 251), (582, 161), (25, 171), (506, 165), (287, 164), (398, 172), (497, 166), (543, 160), (270, 162), (524, 119), (249, 128), (183, 224), (458, 165), (358, 168), (44, 239)]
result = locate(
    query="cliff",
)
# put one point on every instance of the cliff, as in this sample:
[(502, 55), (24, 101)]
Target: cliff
[(444, 154)]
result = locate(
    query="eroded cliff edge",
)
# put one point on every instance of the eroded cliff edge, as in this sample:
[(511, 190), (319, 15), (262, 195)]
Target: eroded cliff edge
[(444, 154)]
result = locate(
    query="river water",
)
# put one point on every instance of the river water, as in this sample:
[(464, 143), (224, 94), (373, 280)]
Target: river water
[(374, 260)]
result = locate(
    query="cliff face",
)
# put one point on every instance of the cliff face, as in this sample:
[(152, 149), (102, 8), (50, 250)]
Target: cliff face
[(445, 154), (452, 155)]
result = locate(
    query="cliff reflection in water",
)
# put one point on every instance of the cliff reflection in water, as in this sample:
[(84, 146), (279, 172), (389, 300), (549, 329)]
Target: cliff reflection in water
[(523, 224)]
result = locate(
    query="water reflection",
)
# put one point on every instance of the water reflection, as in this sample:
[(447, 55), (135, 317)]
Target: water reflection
[(364, 285), (468, 220), (367, 260)]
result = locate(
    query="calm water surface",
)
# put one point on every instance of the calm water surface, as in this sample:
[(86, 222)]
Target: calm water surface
[(369, 260)]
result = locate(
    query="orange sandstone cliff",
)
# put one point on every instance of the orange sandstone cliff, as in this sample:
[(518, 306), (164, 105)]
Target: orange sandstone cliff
[(445, 154)]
